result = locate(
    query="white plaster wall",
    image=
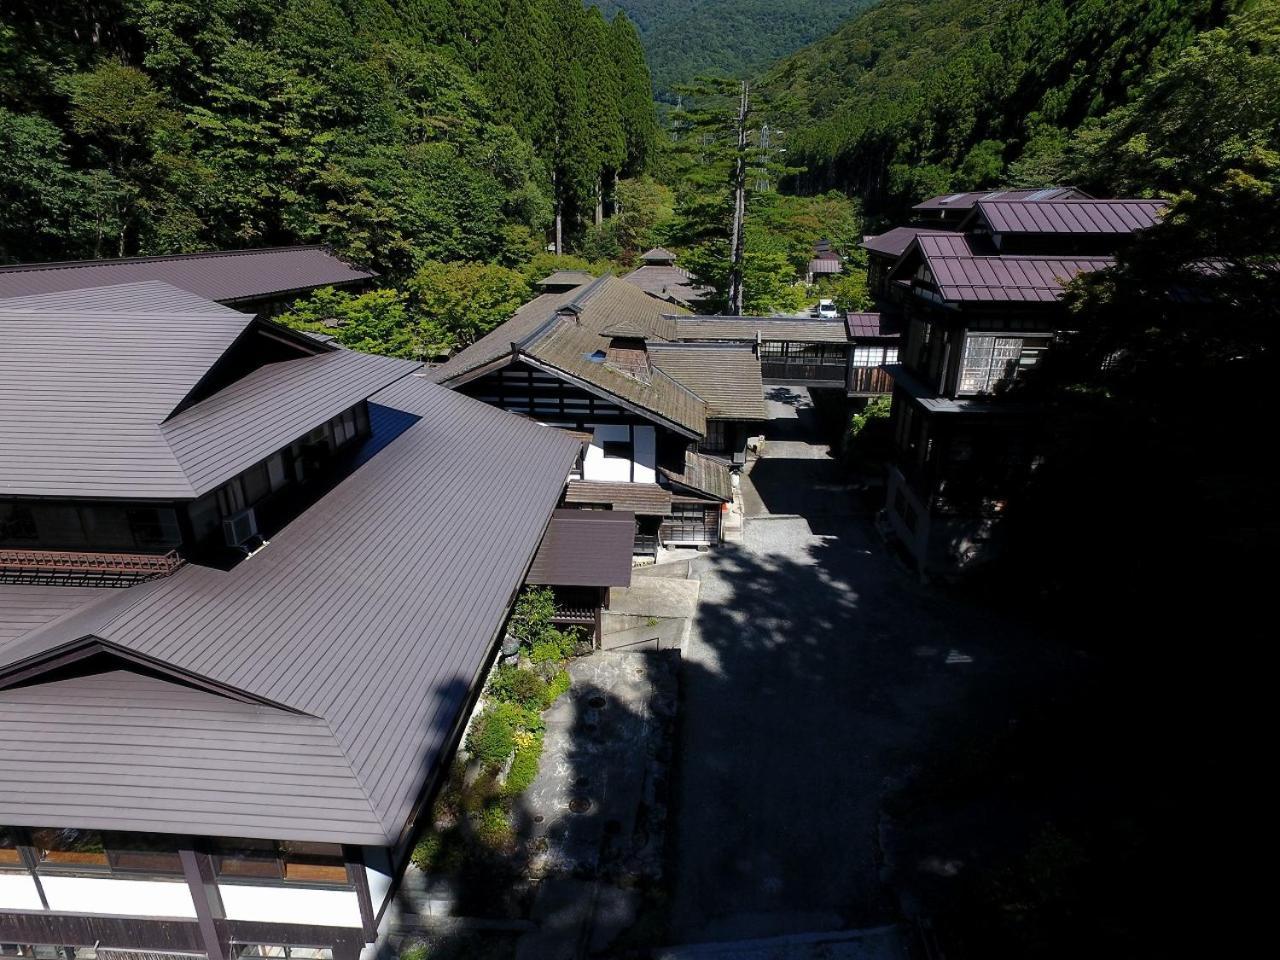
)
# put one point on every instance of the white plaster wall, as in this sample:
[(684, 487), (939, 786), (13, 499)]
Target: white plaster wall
[(133, 898), (18, 892), (596, 467), (377, 872), (326, 908)]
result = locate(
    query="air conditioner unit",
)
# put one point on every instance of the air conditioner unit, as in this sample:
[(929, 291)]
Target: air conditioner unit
[(240, 528)]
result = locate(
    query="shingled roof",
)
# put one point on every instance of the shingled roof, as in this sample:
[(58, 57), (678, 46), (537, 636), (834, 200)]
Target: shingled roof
[(726, 376), (309, 692), (564, 332), (749, 329), (227, 276), (668, 282), (966, 201)]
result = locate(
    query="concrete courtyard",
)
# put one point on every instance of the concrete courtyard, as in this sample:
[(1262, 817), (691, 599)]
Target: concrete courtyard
[(815, 671)]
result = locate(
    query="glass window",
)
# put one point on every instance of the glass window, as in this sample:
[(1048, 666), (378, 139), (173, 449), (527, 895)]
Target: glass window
[(987, 361), (616, 449), (890, 354), (276, 473), (248, 858), (143, 853), (257, 483), (153, 526), (867, 356), (313, 862), (69, 848), (17, 522), (231, 497), (773, 351), (9, 855)]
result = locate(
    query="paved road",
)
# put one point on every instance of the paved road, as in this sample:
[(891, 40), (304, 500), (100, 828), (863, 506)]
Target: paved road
[(814, 669)]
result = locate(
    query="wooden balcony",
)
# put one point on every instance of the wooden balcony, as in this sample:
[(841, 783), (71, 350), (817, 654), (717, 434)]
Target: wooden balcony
[(869, 381), (85, 567)]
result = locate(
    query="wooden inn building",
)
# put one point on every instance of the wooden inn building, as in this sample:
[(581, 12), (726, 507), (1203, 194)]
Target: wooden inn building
[(979, 304), (249, 585)]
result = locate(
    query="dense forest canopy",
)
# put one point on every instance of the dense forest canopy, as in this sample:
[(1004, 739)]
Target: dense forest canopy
[(918, 97), (733, 38), (397, 132)]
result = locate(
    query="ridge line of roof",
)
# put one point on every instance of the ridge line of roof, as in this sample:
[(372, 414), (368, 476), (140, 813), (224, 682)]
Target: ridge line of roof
[(538, 332), (161, 258)]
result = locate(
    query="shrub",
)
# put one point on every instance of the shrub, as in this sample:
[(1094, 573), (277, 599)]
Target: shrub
[(867, 437), (510, 684), (559, 685), (492, 737), (524, 768), (493, 828)]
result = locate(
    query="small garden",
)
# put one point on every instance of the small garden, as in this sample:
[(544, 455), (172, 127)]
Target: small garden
[(473, 834)]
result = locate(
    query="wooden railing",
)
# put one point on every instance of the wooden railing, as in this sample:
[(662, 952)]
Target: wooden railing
[(868, 380), (583, 615), (799, 372), (49, 566)]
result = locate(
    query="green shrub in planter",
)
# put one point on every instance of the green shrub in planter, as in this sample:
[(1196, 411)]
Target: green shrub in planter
[(524, 767), (559, 685), (494, 826), (492, 737)]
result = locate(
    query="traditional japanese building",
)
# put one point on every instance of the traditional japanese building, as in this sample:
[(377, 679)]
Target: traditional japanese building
[(980, 307), (249, 585), (664, 418)]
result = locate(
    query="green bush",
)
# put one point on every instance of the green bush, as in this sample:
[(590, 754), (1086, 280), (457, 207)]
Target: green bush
[(559, 685), (524, 768), (866, 439), (493, 828), (510, 684), (492, 737)]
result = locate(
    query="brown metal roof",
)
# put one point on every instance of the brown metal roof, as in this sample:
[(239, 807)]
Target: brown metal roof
[(862, 326), (585, 548), (645, 499), (966, 201), (703, 474), (1070, 216), (362, 626), (725, 375), (748, 329), (226, 276), (566, 279), (658, 255), (88, 394), (894, 243), (24, 608), (823, 265), (963, 277), (561, 332)]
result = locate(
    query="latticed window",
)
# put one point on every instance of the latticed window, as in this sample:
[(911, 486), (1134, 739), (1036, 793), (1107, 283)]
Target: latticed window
[(868, 356), (987, 361)]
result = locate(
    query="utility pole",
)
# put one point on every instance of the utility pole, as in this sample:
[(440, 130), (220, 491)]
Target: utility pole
[(739, 207)]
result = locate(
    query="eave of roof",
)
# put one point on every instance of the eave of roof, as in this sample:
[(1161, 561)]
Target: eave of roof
[(585, 548)]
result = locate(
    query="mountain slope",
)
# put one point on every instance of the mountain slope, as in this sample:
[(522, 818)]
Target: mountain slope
[(916, 97), (686, 38)]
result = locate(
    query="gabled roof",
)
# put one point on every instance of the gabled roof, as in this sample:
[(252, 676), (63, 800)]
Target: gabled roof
[(226, 276), (966, 201), (821, 265), (962, 276), (893, 243), (330, 669), (1070, 216), (658, 255), (749, 329), (645, 499), (566, 279), (91, 400), (670, 283), (726, 376), (562, 332)]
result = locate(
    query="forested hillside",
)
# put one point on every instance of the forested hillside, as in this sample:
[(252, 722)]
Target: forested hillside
[(398, 132), (916, 97), (735, 38)]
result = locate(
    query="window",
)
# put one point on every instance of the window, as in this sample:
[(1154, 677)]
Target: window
[(890, 354), (17, 522), (257, 483), (772, 351), (717, 435), (286, 860), (70, 848), (616, 449), (9, 855), (867, 356), (987, 361), (142, 853), (153, 527)]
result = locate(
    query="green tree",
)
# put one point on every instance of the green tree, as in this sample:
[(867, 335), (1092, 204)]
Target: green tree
[(466, 300)]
